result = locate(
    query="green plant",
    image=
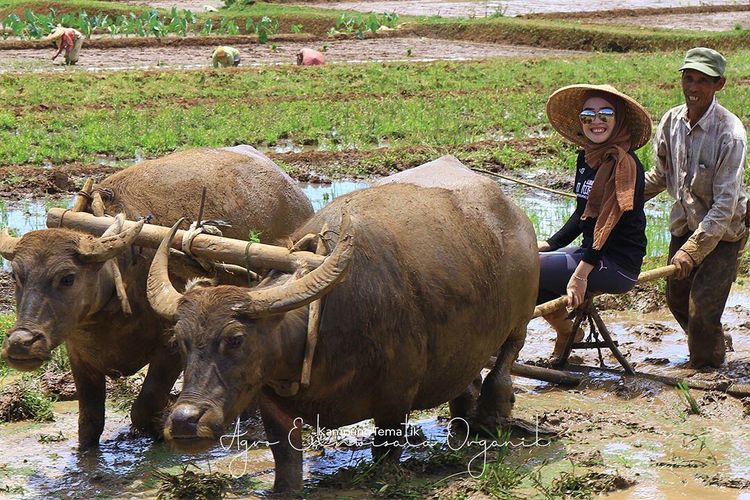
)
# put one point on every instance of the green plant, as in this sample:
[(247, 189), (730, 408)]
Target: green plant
[(22, 401), (51, 438), (296, 28), (684, 391)]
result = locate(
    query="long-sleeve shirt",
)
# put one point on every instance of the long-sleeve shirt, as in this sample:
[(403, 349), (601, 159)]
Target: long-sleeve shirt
[(702, 168), (225, 57), (626, 244)]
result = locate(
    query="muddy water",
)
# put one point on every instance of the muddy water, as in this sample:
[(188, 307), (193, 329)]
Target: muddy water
[(337, 51), (508, 7), (722, 21), (639, 429)]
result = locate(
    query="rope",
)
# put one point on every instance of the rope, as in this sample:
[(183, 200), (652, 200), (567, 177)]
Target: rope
[(247, 264), (62, 216), (525, 183), (188, 236)]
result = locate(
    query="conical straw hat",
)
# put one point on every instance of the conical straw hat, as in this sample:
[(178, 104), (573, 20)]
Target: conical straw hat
[(564, 105)]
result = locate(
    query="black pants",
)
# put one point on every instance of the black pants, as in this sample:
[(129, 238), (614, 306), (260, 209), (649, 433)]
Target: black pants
[(697, 302)]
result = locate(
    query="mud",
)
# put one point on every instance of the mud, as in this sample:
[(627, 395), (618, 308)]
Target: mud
[(506, 7), (337, 51), (723, 21), (194, 5)]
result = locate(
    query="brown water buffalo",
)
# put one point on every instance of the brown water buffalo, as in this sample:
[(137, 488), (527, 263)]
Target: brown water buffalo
[(436, 271), (66, 293)]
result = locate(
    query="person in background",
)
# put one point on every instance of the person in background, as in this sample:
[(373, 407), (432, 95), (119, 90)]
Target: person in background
[(66, 40), (609, 126), (310, 57), (700, 150), (224, 57)]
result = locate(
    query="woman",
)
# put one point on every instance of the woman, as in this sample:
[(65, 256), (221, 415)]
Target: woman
[(609, 126)]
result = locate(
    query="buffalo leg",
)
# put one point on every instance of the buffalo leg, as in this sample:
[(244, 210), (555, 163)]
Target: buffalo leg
[(496, 400), (465, 405), (286, 445), (154, 395), (92, 390), (390, 438)]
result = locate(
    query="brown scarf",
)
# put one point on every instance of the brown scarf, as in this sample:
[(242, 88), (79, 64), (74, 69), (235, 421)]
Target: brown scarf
[(614, 184)]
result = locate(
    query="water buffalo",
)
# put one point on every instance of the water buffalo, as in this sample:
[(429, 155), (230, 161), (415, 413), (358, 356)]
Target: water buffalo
[(436, 271), (66, 293)]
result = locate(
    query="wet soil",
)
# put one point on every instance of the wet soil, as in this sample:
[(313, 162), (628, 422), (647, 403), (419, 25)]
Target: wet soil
[(337, 51), (722, 21), (507, 7), (194, 5), (632, 437)]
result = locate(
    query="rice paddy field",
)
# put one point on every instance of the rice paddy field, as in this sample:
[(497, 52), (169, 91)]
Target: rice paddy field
[(404, 83)]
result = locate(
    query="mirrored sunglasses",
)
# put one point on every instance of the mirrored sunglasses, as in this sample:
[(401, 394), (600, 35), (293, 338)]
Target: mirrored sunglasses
[(606, 115)]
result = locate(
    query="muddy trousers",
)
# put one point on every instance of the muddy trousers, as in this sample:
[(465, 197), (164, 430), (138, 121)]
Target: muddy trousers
[(698, 301)]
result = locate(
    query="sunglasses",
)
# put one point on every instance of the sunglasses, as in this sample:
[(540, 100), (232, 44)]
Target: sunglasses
[(588, 116)]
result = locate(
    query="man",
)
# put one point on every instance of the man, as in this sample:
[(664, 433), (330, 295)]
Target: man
[(225, 57), (310, 57), (700, 160), (68, 40)]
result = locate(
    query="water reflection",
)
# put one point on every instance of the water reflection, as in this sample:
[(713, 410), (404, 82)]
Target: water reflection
[(547, 211)]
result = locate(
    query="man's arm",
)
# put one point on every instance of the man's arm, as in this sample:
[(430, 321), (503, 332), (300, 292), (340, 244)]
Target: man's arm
[(59, 51), (727, 184), (656, 178)]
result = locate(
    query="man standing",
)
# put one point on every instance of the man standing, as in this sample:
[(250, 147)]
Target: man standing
[(66, 40), (700, 160)]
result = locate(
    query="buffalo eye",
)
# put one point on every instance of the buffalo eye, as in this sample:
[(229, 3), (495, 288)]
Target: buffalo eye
[(234, 341), (68, 280)]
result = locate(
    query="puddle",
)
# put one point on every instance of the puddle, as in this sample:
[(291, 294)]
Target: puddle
[(337, 51), (635, 425), (548, 212)]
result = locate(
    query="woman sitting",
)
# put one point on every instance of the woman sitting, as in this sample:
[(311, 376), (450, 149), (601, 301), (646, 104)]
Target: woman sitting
[(609, 126)]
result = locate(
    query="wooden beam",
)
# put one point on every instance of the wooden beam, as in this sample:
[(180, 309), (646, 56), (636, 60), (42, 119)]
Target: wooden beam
[(205, 246)]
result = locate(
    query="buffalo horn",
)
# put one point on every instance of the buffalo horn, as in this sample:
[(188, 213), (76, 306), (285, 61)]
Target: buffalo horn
[(161, 294), (8, 244), (312, 286), (107, 247)]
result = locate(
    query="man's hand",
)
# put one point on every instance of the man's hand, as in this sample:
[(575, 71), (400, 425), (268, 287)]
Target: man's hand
[(543, 246), (684, 263)]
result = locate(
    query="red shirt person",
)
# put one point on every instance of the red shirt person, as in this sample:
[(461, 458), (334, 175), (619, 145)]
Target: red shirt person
[(310, 57), (66, 40)]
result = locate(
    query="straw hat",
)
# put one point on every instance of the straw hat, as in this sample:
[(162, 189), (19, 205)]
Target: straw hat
[(56, 33), (563, 107)]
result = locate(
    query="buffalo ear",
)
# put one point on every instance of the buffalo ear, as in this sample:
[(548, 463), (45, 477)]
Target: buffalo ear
[(8, 244)]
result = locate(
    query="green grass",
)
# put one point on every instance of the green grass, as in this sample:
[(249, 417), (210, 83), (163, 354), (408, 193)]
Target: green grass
[(121, 115)]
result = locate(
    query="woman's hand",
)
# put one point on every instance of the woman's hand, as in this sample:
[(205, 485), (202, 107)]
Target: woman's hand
[(543, 246), (578, 284)]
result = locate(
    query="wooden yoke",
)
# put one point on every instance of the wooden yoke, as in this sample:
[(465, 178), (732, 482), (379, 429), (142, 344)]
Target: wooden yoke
[(206, 246)]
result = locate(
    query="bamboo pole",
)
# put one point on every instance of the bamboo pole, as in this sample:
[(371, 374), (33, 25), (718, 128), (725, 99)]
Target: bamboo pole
[(205, 246), (560, 302)]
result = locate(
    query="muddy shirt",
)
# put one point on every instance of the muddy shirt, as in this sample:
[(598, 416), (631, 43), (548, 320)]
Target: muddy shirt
[(310, 57), (225, 57), (702, 168), (626, 244)]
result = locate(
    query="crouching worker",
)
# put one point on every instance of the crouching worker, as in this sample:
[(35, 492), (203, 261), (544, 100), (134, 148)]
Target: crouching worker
[(310, 57), (66, 40), (609, 126), (225, 57)]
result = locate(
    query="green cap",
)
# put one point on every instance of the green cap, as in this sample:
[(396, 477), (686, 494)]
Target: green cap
[(705, 60)]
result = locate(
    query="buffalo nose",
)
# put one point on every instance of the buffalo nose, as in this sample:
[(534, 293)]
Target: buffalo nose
[(21, 338), (185, 420)]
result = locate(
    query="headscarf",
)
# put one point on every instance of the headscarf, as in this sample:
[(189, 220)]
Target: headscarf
[(614, 183)]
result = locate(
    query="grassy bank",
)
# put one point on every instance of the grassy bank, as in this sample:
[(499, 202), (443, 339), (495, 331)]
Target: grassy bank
[(83, 117)]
